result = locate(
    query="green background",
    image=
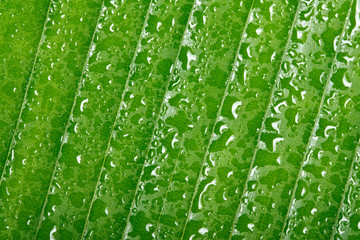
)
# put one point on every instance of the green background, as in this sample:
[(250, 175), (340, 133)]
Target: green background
[(164, 119)]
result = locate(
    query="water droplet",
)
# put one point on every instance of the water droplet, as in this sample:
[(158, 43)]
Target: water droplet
[(213, 182), (82, 104), (234, 108), (251, 226), (148, 226), (191, 57), (111, 28), (52, 233), (203, 230)]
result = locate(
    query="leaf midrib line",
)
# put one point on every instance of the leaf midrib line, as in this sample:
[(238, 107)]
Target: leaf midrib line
[(357, 149), (69, 119), (347, 186), (276, 82), (316, 122), (267, 206), (170, 182), (157, 119), (12, 143), (132, 65), (229, 80)]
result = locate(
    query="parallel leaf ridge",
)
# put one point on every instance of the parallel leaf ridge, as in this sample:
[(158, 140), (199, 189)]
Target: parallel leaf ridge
[(191, 119)]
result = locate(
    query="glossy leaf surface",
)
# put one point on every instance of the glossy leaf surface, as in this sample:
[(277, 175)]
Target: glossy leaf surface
[(180, 119)]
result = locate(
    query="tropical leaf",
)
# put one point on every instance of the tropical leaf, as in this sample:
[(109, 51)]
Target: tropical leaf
[(190, 119)]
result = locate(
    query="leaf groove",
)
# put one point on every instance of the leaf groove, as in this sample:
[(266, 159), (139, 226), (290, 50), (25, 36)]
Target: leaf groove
[(117, 117), (156, 121), (168, 188), (42, 37), (230, 79), (316, 122), (68, 122), (266, 115), (357, 149)]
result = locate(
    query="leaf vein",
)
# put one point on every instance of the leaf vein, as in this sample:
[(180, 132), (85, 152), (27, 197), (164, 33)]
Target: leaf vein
[(68, 123), (157, 121), (277, 79), (230, 79), (12, 143), (357, 150), (117, 116), (316, 122)]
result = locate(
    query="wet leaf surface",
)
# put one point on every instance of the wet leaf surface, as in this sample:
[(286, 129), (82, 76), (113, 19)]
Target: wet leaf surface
[(190, 119)]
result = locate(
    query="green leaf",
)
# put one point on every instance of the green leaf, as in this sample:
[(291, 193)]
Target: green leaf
[(191, 119), (46, 106), (264, 206), (20, 35)]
